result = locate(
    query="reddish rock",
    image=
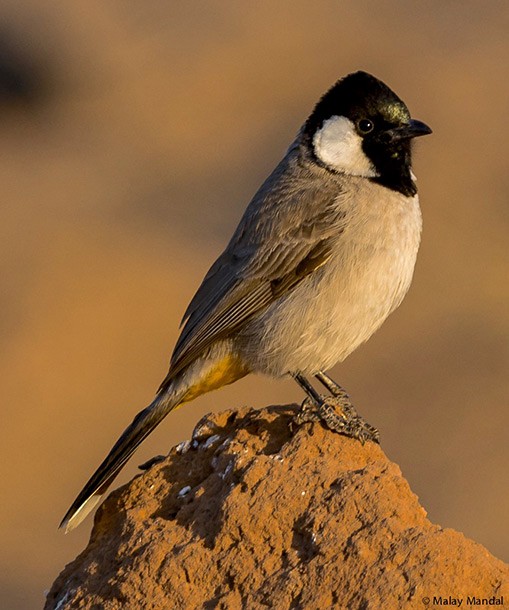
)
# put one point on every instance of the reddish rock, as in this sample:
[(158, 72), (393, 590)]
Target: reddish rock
[(250, 516)]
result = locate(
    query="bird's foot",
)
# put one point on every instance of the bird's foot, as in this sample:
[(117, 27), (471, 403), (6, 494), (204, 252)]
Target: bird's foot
[(338, 414)]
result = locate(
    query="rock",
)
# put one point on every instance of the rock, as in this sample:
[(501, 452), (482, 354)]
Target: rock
[(248, 516)]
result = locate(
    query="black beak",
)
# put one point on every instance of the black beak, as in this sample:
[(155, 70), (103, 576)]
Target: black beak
[(413, 129)]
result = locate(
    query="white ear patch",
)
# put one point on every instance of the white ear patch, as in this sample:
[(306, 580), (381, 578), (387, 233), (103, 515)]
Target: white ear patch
[(339, 146)]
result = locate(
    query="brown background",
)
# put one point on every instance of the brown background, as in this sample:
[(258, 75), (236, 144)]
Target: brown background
[(132, 135)]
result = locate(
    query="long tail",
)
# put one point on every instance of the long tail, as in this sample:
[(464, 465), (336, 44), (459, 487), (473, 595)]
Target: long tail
[(140, 428)]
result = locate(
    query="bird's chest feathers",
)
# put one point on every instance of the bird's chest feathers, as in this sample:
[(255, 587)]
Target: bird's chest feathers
[(378, 247)]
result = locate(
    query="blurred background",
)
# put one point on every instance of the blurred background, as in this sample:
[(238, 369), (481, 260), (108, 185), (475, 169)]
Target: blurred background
[(132, 136)]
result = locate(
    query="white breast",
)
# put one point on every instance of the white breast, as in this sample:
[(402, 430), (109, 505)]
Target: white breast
[(342, 304)]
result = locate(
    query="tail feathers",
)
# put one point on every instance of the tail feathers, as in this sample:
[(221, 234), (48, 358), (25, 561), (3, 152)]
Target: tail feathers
[(139, 429)]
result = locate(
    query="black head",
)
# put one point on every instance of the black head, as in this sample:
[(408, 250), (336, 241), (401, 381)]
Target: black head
[(379, 123)]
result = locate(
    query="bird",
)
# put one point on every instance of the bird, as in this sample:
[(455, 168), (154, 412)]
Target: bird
[(323, 253)]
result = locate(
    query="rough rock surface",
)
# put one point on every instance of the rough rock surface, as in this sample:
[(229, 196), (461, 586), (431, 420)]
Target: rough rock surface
[(249, 516)]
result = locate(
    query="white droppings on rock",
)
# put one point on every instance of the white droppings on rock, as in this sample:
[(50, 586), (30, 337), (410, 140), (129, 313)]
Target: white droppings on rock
[(225, 443), (183, 447), (184, 491), (210, 441), (64, 599), (227, 470)]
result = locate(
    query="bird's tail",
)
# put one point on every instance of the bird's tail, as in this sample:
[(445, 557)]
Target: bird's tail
[(140, 428), (202, 376)]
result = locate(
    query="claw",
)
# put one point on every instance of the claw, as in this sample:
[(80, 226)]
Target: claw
[(336, 412), (339, 416)]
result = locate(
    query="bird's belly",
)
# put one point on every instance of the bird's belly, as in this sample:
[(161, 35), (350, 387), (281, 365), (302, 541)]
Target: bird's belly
[(332, 311)]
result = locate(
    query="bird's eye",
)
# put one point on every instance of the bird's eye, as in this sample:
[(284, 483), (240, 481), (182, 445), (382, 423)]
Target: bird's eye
[(365, 126)]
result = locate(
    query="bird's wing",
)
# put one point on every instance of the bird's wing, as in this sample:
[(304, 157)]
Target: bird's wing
[(272, 250), (243, 299)]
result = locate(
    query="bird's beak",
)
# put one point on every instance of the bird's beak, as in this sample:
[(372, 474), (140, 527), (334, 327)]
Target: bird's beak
[(413, 129)]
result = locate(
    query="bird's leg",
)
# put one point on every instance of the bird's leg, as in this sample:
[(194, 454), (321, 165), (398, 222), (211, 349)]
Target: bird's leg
[(335, 389), (309, 409), (336, 411)]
